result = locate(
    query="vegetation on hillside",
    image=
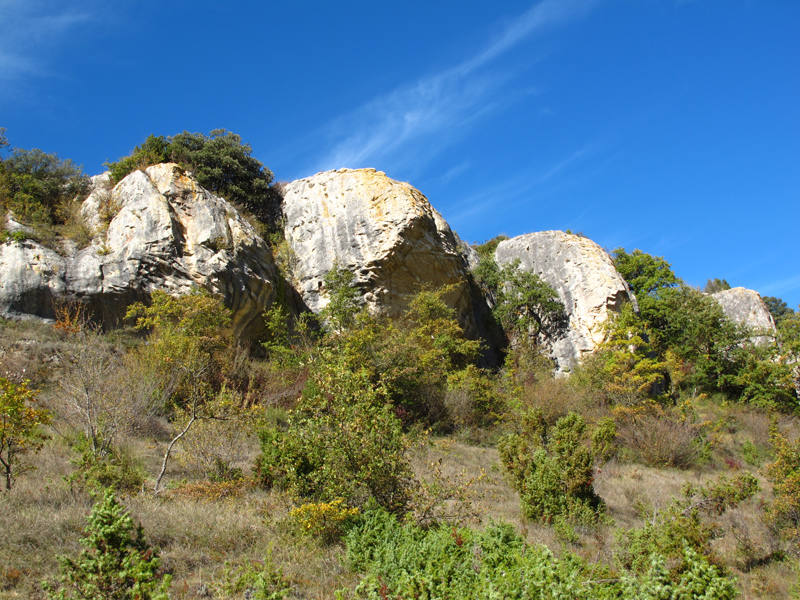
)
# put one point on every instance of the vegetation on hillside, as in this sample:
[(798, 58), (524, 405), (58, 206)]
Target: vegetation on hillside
[(220, 161), (354, 456)]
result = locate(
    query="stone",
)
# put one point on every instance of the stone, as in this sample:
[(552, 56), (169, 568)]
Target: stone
[(587, 283), (746, 307), (386, 233), (156, 229)]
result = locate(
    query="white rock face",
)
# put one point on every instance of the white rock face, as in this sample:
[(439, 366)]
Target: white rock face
[(584, 277), (167, 233), (746, 307), (384, 231)]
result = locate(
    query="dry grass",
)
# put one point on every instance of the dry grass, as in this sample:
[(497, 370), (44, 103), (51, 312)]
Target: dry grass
[(200, 526)]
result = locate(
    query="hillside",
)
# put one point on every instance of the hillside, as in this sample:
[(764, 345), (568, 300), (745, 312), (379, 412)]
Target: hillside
[(318, 390)]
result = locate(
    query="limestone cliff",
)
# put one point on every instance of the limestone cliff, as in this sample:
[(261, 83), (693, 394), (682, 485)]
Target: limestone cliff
[(746, 307), (385, 232), (584, 277), (156, 229)]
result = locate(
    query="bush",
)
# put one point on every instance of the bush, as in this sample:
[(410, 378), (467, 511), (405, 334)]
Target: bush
[(255, 581), (410, 358), (783, 514), (552, 469), (189, 341), (116, 561), (220, 162), (405, 561), (20, 426), (324, 520), (341, 441), (112, 468), (659, 437), (472, 398), (39, 187), (522, 302), (686, 522)]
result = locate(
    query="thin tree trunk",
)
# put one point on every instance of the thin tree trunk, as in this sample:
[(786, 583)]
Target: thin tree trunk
[(156, 489)]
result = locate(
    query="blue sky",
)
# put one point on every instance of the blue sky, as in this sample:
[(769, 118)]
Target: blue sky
[(672, 126)]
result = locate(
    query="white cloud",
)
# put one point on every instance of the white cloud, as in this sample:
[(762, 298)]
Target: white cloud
[(29, 30), (438, 108)]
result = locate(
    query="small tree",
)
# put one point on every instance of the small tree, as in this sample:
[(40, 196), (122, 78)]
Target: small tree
[(116, 562), (20, 426), (343, 303)]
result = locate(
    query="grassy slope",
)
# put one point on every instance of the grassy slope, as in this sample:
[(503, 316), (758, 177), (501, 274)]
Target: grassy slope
[(42, 516)]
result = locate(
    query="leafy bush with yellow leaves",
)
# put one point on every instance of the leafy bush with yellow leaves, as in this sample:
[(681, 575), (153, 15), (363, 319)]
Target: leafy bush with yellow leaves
[(325, 520)]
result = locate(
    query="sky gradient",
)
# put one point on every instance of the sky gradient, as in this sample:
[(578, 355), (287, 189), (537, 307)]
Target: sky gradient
[(672, 126)]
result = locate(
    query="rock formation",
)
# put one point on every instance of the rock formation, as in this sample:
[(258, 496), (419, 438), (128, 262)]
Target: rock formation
[(156, 229), (746, 307), (584, 277), (385, 232)]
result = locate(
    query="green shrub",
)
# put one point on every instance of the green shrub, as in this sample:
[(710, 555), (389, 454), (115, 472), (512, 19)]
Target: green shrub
[(472, 398), (189, 339), (783, 514), (552, 469), (403, 561), (220, 162), (112, 468), (659, 437), (255, 581), (409, 358), (116, 561), (341, 441), (522, 302), (686, 521), (39, 187), (21, 423)]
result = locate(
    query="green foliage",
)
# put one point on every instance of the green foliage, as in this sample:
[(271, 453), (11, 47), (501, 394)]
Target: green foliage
[(289, 340), (220, 162), (404, 561), (523, 303), (17, 236), (783, 514), (343, 299), (552, 469), (473, 398), (625, 370), (341, 441), (113, 468), (777, 308), (410, 358), (39, 187), (686, 522), (716, 285), (763, 380), (188, 338), (647, 275), (116, 562), (20, 426), (255, 581)]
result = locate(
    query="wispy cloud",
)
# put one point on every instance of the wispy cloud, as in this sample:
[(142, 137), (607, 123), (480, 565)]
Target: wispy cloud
[(782, 286), (29, 30), (437, 108), (518, 188)]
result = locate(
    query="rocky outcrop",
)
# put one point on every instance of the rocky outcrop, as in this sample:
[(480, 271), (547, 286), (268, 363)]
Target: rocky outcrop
[(385, 232), (584, 277), (746, 307), (156, 229)]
